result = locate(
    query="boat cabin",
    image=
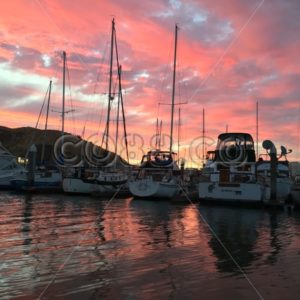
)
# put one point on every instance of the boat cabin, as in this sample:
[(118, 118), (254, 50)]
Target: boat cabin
[(233, 160), (158, 159), (235, 148)]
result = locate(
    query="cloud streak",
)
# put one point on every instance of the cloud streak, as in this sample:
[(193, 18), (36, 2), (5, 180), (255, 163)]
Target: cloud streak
[(229, 57)]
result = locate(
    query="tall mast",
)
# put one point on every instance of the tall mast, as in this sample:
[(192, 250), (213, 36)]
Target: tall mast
[(118, 109), (123, 113), (156, 135), (173, 88), (46, 123), (203, 135), (121, 96), (110, 81), (63, 95), (48, 105), (257, 154), (160, 131), (178, 137)]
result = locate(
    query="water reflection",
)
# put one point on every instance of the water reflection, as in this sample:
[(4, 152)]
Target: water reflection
[(136, 249), (274, 240), (238, 229), (27, 216), (154, 218)]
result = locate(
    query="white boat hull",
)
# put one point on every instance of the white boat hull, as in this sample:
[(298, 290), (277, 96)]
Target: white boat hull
[(145, 188), (5, 180), (79, 186), (238, 192), (49, 181), (295, 193), (283, 190)]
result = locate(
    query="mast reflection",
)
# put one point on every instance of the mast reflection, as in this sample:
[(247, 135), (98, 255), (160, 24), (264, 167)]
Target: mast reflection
[(238, 230), (26, 220)]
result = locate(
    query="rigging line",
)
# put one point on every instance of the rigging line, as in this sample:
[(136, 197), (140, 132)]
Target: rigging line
[(117, 125), (71, 100), (124, 120), (178, 85), (156, 134), (113, 31), (121, 97), (114, 93), (227, 49), (157, 112), (106, 128), (54, 87), (179, 92), (221, 243), (92, 109), (298, 129), (38, 120), (164, 78), (47, 14), (160, 132), (46, 123), (106, 131), (41, 110), (61, 267), (115, 86), (100, 73), (165, 71), (102, 110), (182, 87), (178, 133)]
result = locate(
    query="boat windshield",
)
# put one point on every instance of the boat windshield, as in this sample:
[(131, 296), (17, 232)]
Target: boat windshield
[(158, 158), (235, 140), (235, 148)]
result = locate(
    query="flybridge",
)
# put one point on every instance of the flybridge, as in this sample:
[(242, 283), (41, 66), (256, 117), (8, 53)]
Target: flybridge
[(235, 148)]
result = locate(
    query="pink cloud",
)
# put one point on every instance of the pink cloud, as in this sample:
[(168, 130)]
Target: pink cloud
[(228, 58)]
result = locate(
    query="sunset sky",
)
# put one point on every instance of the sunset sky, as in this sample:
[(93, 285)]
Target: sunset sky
[(230, 55)]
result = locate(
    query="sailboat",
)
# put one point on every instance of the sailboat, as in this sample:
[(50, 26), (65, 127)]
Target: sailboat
[(42, 178), (107, 178), (9, 167), (155, 178)]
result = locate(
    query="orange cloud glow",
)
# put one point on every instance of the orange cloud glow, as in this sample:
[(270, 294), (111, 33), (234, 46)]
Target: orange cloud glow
[(229, 57)]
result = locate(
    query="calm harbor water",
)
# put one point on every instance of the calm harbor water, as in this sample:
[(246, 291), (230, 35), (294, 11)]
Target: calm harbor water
[(65, 247)]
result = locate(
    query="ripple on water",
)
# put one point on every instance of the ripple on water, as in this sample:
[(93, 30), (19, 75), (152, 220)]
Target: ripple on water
[(135, 249)]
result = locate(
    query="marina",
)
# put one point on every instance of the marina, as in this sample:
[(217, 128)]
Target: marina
[(58, 246), (149, 150)]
